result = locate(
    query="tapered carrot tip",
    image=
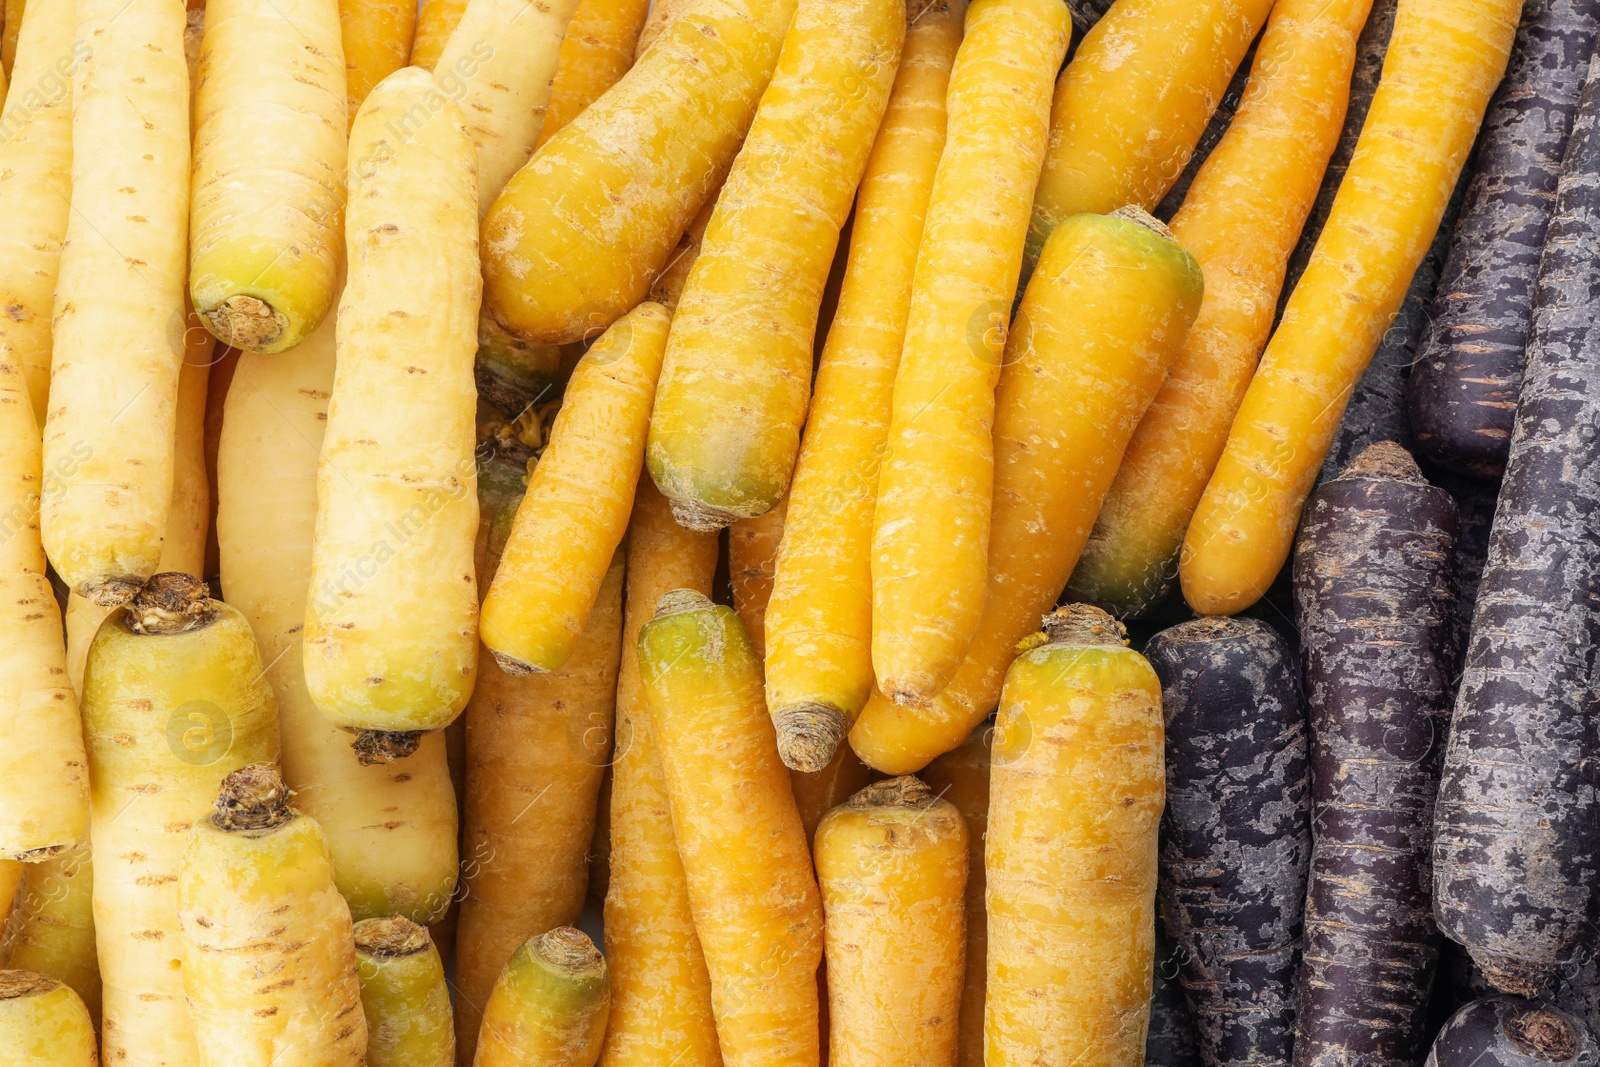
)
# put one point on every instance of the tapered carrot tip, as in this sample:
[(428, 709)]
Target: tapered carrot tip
[(170, 603), (392, 937), (246, 322), (808, 735), (252, 798), (1079, 624), (385, 746), (703, 518)]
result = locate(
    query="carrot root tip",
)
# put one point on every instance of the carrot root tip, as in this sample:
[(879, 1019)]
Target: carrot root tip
[(808, 735)]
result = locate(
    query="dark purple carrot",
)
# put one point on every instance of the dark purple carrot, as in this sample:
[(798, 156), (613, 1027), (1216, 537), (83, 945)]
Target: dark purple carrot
[(1375, 600), (1515, 843), (1512, 1032), (1577, 991), (1170, 1041), (1236, 834), (1463, 391)]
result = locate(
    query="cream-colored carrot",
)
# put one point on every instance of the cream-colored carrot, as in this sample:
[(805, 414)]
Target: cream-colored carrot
[(930, 534), (119, 312), (391, 638), (597, 50), (51, 927), (43, 1023), (819, 659)]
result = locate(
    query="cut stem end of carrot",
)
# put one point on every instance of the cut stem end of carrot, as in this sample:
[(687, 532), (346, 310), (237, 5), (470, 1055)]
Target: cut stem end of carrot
[(385, 746), (808, 735)]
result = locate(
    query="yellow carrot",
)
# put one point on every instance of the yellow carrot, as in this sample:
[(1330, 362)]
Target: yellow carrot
[(1076, 792), (391, 623), (662, 13), (499, 65), (51, 927), (819, 656), (576, 509), (961, 776), (43, 1023), (931, 524), (744, 850), (549, 1005), (403, 995), (818, 792), (752, 547), (576, 238), (269, 146), (892, 863), (597, 50), (44, 784), (436, 21), (1443, 63), (536, 749), (390, 827), (1280, 139), (36, 185), (375, 37), (651, 942), (735, 380), (667, 289), (174, 699), (269, 960), (1132, 105), (119, 313)]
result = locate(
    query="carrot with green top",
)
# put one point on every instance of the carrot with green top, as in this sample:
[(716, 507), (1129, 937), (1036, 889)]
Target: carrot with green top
[(403, 995), (930, 536), (1281, 139), (549, 1005), (819, 655), (1443, 64)]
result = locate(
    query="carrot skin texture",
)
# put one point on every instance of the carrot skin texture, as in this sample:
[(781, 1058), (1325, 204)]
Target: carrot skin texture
[(1076, 790), (756, 906), (1132, 104), (1216, 129), (1375, 605), (575, 511), (930, 534), (736, 377), (119, 312), (1287, 126), (1515, 860), (1463, 387), (390, 640), (820, 651), (43, 1023), (50, 930), (1495, 1032), (597, 50), (651, 942), (892, 865), (35, 189), (1236, 835), (1103, 318), (576, 237), (752, 550), (1171, 1041), (662, 12), (1442, 66)]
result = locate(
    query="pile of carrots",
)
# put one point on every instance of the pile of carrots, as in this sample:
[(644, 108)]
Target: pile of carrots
[(888, 533)]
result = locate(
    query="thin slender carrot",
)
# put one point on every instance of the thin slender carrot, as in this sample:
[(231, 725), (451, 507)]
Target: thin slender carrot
[(597, 50)]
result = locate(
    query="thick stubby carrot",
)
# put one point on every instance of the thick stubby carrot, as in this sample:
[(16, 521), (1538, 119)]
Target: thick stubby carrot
[(536, 751), (375, 37), (44, 782), (756, 905), (174, 699), (576, 238), (390, 827), (269, 960), (752, 548), (436, 21), (119, 312), (404, 995), (930, 534), (819, 659), (391, 639), (1443, 63), (651, 942), (36, 186), (1132, 105), (892, 866), (499, 65), (961, 776), (1075, 797), (1105, 314), (1241, 220), (575, 512), (736, 378), (662, 12), (597, 50), (50, 930), (43, 1023), (549, 1005), (266, 216)]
